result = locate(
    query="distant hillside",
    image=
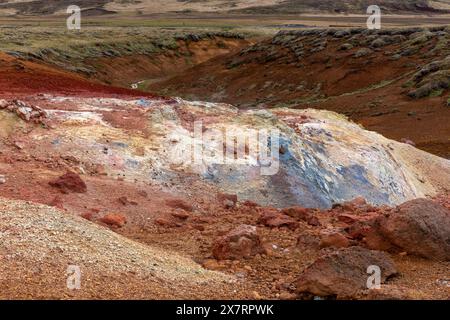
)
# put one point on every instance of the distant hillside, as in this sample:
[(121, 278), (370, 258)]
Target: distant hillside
[(354, 6), (47, 7)]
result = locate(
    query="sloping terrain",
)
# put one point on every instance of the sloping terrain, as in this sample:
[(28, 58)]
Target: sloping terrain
[(394, 81), (120, 56), (141, 193), (38, 243)]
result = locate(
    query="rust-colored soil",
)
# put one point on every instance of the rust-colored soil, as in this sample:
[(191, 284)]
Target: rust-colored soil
[(23, 78)]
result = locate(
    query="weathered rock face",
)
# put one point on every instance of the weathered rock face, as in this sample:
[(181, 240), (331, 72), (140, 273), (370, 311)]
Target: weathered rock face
[(344, 273), (317, 158), (420, 227), (239, 243)]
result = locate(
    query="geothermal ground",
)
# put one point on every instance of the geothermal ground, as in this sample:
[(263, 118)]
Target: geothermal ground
[(137, 189)]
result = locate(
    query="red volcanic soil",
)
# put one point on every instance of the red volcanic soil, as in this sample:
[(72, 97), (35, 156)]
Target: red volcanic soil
[(23, 78)]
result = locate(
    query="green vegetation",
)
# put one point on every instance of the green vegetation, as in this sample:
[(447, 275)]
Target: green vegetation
[(436, 93), (69, 49)]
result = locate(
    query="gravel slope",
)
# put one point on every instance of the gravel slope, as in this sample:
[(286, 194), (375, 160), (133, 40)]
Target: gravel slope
[(37, 243)]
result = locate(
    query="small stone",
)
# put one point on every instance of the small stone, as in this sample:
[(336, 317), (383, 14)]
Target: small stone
[(114, 219)]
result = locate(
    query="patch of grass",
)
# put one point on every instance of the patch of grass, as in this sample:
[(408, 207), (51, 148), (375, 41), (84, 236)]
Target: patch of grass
[(54, 44), (436, 93)]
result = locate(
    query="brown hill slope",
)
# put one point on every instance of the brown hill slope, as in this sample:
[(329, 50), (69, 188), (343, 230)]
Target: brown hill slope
[(394, 82)]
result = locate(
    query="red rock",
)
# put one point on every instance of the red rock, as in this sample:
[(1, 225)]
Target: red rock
[(313, 221), (198, 227), (69, 182), (348, 218), (212, 264), (352, 205), (242, 242), (333, 239), (88, 215), (180, 214), (420, 227), (302, 214), (287, 296), (394, 292), (251, 204), (165, 222), (359, 201), (143, 193), (114, 219), (343, 274), (227, 200), (358, 231), (272, 218), (373, 239), (57, 202), (180, 204)]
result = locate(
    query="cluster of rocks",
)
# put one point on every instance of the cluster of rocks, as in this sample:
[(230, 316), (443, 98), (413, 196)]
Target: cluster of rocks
[(24, 111), (355, 235)]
